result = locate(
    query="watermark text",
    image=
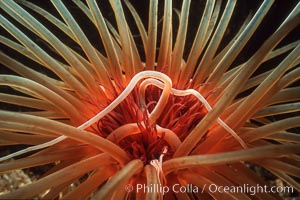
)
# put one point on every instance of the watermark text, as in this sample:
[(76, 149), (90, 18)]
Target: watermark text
[(210, 188)]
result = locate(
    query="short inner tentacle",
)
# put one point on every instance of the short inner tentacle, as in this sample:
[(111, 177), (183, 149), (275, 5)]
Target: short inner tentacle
[(205, 103)]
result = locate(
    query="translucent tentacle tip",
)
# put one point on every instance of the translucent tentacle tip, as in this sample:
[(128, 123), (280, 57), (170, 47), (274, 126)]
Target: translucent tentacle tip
[(157, 164)]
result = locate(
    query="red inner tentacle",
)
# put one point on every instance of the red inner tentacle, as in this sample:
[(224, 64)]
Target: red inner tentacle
[(180, 115)]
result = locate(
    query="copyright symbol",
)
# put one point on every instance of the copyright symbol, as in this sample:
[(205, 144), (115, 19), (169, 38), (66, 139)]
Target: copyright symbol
[(128, 188)]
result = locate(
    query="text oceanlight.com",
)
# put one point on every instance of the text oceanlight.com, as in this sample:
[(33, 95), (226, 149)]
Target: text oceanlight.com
[(210, 188)]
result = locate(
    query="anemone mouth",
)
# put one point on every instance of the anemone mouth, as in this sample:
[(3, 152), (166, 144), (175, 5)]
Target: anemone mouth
[(145, 140)]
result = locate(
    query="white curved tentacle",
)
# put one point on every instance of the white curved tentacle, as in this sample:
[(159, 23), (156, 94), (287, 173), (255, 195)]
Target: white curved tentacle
[(105, 111)]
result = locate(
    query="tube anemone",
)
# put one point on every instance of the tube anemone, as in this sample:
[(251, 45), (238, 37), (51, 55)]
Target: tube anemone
[(127, 106)]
